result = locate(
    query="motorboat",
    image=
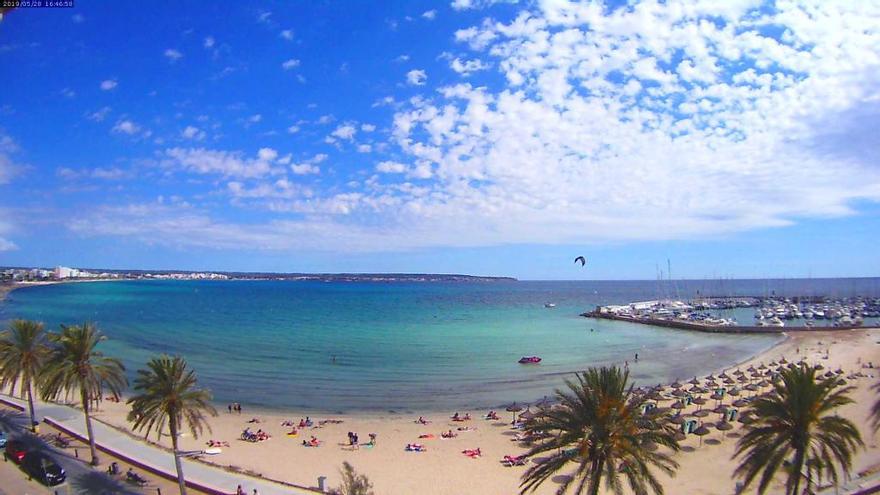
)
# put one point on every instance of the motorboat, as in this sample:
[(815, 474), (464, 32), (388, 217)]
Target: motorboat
[(529, 360), (549, 305)]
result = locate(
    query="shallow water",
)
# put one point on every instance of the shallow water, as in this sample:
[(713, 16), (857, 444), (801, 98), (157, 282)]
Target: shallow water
[(357, 347)]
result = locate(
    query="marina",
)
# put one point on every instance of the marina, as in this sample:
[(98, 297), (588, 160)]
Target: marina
[(747, 314)]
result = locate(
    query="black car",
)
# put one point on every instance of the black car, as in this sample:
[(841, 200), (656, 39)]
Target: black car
[(43, 468), (15, 450)]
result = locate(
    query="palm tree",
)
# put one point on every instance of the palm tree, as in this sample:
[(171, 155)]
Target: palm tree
[(599, 427), (77, 365), (24, 350), (796, 426), (168, 393), (353, 483)]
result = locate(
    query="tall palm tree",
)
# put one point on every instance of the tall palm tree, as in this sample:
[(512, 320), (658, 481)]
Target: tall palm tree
[(167, 393), (598, 426), (796, 426), (24, 350), (77, 366)]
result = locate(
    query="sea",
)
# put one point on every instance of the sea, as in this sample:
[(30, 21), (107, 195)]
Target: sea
[(399, 347)]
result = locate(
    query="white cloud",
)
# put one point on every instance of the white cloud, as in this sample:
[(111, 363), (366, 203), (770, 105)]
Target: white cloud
[(255, 118), (430, 14), (364, 148), (345, 131), (416, 77), (287, 34), (68, 93), (108, 84), (208, 42), (192, 132), (290, 64), (368, 127), (476, 4), (390, 167), (468, 66), (231, 164), (293, 129), (126, 127), (99, 115), (267, 154), (304, 168), (172, 54), (8, 167)]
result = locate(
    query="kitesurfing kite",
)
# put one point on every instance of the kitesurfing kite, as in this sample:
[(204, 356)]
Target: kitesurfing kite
[(581, 259)]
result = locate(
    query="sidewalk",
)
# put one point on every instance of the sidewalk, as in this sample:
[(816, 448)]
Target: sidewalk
[(198, 475)]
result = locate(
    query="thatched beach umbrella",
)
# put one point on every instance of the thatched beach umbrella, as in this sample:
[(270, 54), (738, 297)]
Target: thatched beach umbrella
[(734, 392), (762, 367), (783, 361), (699, 401), (702, 431), (751, 387), (725, 427), (527, 415), (740, 403), (701, 413), (514, 408), (678, 405), (676, 384), (677, 419), (679, 393), (710, 377), (694, 381), (680, 437)]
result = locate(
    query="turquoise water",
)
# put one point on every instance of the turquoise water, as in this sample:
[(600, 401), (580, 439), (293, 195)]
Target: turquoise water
[(353, 347)]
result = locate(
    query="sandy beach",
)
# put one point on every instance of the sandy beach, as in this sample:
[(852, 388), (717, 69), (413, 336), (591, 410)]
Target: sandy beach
[(442, 468)]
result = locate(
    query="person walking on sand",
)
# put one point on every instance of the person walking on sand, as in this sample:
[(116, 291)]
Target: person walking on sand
[(239, 490)]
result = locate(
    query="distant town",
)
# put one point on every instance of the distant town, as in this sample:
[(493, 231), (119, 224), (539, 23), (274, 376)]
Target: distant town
[(64, 273)]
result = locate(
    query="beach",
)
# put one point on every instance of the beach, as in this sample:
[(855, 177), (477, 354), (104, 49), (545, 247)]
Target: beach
[(442, 468)]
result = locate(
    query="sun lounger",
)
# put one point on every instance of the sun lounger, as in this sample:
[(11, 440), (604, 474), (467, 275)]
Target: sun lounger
[(514, 460)]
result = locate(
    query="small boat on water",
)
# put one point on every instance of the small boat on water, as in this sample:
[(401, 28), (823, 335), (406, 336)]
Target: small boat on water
[(549, 305), (529, 360)]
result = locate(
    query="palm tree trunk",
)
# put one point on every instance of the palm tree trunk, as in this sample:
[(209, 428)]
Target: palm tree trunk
[(797, 468), (181, 481), (92, 449), (30, 397), (596, 476)]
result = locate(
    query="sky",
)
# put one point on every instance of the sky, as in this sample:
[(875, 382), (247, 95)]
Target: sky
[(491, 137)]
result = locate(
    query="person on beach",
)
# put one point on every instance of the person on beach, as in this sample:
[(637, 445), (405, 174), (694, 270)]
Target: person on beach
[(239, 490), (637, 357), (372, 439), (229, 407)]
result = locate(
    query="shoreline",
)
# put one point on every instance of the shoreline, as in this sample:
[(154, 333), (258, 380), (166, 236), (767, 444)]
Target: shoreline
[(444, 470)]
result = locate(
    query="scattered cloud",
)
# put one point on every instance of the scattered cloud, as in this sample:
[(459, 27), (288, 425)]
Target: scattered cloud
[(416, 77), (290, 64), (467, 67), (99, 115), (368, 127), (230, 164), (108, 84), (172, 55), (287, 34), (126, 127), (430, 14), (208, 42), (345, 131), (68, 93), (293, 129), (364, 148), (192, 132)]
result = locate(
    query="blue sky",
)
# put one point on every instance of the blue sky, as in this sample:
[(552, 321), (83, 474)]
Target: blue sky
[(735, 138)]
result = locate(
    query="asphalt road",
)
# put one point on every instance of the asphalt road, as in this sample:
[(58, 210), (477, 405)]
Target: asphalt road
[(81, 478)]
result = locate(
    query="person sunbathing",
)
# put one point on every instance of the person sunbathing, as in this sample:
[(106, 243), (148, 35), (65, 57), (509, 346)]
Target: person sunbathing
[(253, 420), (415, 447), (455, 417), (492, 415), (293, 432), (312, 442), (448, 434), (422, 421), (472, 452)]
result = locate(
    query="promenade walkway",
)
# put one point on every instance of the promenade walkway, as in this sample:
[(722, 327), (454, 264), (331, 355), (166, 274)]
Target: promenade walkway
[(150, 458)]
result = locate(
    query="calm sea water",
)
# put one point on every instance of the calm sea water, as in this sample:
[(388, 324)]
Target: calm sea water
[(357, 347)]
